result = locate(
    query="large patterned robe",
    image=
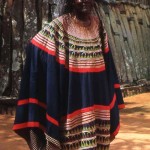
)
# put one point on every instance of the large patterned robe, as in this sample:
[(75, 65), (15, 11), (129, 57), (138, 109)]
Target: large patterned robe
[(70, 95)]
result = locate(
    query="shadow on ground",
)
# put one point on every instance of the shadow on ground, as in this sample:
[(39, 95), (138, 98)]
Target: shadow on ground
[(134, 133), (135, 129)]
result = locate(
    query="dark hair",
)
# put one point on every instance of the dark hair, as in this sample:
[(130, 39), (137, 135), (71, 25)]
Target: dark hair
[(68, 8)]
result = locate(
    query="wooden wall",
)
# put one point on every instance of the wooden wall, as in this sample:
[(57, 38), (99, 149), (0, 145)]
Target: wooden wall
[(128, 27)]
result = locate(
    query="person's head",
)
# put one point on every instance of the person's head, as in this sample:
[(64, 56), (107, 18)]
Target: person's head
[(80, 6), (83, 6)]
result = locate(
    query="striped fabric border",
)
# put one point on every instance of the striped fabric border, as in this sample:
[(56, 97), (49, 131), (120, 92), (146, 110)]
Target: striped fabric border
[(84, 117), (32, 101), (28, 125), (83, 57)]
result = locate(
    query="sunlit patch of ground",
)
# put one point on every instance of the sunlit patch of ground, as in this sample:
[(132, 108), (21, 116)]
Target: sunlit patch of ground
[(135, 124), (8, 139), (134, 133)]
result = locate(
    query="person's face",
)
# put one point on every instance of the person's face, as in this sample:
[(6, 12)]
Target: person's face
[(83, 6)]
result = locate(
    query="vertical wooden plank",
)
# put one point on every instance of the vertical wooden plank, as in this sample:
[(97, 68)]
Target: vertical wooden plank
[(1, 21), (120, 10), (6, 51), (125, 49), (130, 41), (135, 31), (30, 20), (140, 21), (140, 37), (145, 33), (147, 17), (17, 33), (121, 50), (38, 8), (45, 12), (129, 44), (148, 13)]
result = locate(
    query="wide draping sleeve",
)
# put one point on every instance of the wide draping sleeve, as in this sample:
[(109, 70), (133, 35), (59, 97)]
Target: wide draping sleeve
[(114, 88), (39, 89)]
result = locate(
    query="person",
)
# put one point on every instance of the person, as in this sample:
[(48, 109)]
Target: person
[(70, 94)]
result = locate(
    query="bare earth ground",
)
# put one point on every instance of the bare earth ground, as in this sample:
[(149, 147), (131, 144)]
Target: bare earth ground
[(134, 133)]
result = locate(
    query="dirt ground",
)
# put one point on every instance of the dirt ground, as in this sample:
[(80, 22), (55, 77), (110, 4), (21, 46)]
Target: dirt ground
[(134, 133)]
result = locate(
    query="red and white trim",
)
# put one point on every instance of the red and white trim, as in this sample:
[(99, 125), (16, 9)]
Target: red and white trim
[(43, 47), (52, 120), (81, 65), (116, 131), (28, 125), (85, 116), (121, 106), (116, 86), (32, 101)]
